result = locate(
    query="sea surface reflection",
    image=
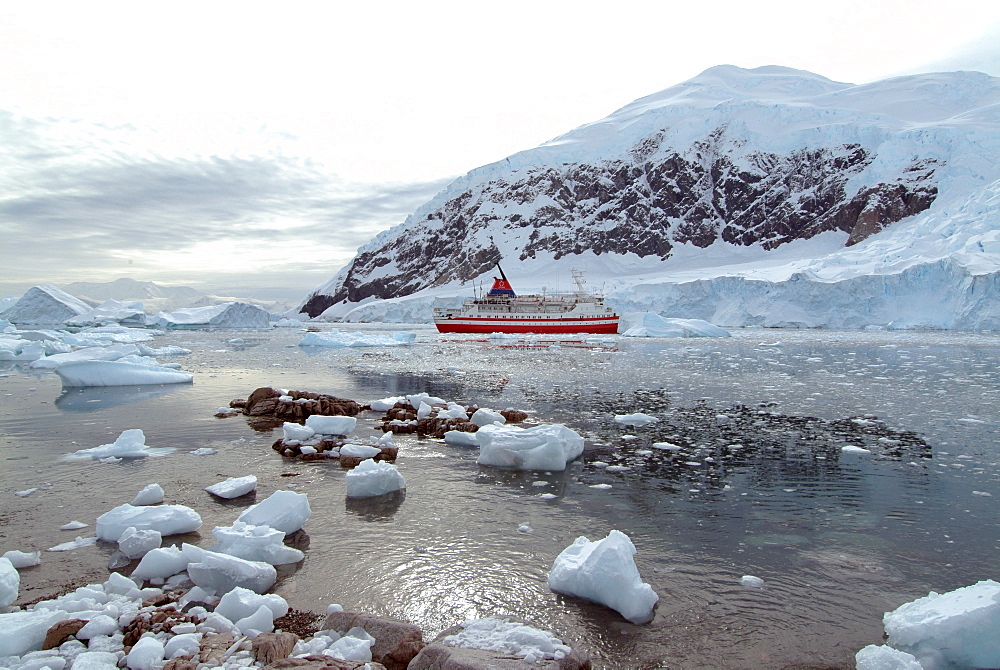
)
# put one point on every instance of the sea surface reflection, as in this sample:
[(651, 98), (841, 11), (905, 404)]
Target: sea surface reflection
[(754, 482)]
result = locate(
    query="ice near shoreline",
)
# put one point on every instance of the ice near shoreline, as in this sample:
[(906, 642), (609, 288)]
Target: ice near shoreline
[(604, 572), (940, 631)]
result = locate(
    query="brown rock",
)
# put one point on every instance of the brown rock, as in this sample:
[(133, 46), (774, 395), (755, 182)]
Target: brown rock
[(213, 646), (396, 642), (271, 647), (513, 415), (61, 631), (251, 406), (439, 656), (320, 662), (180, 663)]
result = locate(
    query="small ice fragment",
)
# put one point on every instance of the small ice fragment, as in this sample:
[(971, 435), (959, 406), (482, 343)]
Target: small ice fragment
[(73, 525), (750, 580)]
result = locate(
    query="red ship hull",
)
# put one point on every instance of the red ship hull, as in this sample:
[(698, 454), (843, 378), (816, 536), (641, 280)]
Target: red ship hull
[(592, 325)]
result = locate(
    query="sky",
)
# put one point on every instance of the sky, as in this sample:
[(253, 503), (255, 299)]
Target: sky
[(248, 149)]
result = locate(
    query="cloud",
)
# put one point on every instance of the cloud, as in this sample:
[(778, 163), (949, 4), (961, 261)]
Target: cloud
[(82, 201)]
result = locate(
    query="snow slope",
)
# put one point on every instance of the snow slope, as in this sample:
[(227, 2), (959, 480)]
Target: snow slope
[(769, 196)]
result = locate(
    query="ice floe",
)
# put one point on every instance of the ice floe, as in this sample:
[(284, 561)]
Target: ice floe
[(545, 447), (337, 338), (651, 324), (605, 572), (370, 479)]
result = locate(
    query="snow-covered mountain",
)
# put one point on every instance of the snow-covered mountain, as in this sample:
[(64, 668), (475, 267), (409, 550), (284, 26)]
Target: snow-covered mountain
[(157, 297), (769, 196)]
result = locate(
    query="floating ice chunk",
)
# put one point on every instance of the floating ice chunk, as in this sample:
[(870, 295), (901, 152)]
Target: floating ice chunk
[(150, 495), (234, 487), (109, 353), (146, 654), (166, 519), (336, 338), (23, 559), (453, 412), (73, 525), (26, 492), (240, 603), (666, 446), (169, 350), (385, 404), (255, 543), (371, 478), (883, 657), (359, 451), (509, 638), (296, 431), (74, 544), (221, 573), (130, 444), (25, 631), (484, 417), (136, 543), (751, 581), (204, 451), (854, 449), (331, 425), (45, 305), (954, 629), (119, 373), (10, 583), (285, 510), (461, 438), (605, 572), (225, 315), (650, 324), (636, 419), (546, 447), (160, 563), (414, 399)]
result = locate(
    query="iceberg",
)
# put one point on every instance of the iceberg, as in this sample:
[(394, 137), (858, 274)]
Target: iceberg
[(10, 583), (129, 313), (109, 353), (370, 479), (336, 338), (119, 373), (546, 447), (604, 572), (45, 305), (221, 573), (25, 631), (286, 511), (166, 519), (254, 543), (130, 444), (957, 629), (234, 487), (651, 324), (225, 315)]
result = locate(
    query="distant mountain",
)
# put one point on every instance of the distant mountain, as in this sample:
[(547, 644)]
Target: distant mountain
[(130, 289), (751, 180), (157, 298)]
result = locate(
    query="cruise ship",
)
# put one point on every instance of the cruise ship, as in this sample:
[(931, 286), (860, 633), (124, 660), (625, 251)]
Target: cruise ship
[(503, 311)]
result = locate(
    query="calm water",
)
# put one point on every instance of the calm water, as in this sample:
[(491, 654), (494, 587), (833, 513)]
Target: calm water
[(838, 538)]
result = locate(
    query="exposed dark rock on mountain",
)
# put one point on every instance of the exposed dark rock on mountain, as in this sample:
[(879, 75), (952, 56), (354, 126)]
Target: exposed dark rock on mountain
[(732, 158)]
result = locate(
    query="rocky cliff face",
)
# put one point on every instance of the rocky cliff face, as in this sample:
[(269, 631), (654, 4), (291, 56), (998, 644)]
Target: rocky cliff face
[(753, 168)]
